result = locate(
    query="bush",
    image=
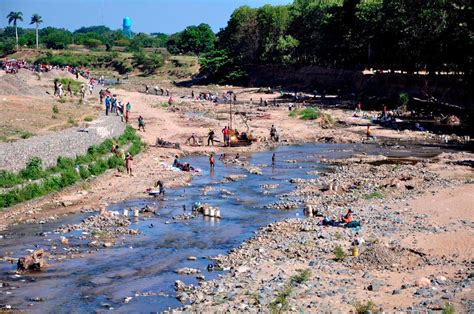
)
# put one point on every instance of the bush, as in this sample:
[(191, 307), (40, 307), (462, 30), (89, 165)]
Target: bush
[(69, 176), (84, 172), (294, 113), (75, 85), (65, 163), (280, 304), (33, 170), (105, 147), (88, 119), (339, 254), (136, 147), (310, 114), (52, 184), (9, 179), (25, 134), (374, 195), (98, 167), (448, 309), (114, 162), (365, 308), (32, 191), (301, 277), (72, 122)]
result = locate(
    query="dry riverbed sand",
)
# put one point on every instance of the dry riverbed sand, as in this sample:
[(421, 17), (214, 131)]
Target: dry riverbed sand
[(418, 235)]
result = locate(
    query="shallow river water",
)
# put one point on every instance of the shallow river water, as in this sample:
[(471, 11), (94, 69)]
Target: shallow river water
[(147, 262)]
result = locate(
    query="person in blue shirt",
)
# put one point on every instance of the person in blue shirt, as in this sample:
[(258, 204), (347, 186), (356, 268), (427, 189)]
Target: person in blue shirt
[(107, 105)]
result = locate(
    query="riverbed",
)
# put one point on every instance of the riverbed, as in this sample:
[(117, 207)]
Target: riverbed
[(143, 266)]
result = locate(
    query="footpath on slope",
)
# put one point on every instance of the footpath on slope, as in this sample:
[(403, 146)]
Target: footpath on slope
[(67, 143)]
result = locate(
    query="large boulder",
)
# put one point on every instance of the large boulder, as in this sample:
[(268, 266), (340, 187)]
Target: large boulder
[(34, 262)]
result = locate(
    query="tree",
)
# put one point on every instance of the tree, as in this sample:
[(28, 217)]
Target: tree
[(37, 20), (148, 63), (14, 17), (55, 38), (197, 39)]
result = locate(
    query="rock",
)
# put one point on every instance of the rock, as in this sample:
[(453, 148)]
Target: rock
[(187, 271), (235, 177), (107, 244), (396, 291), (242, 269), (375, 286), (440, 279), (35, 262), (423, 282), (64, 240), (179, 285), (36, 299), (66, 203), (192, 258), (423, 292), (127, 299), (182, 297)]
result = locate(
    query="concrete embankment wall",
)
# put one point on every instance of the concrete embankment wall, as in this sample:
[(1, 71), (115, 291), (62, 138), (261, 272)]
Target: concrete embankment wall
[(66, 143)]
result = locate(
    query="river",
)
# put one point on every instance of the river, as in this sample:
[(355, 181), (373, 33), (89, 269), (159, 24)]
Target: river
[(147, 262)]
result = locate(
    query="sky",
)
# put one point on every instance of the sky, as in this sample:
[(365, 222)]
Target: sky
[(148, 16)]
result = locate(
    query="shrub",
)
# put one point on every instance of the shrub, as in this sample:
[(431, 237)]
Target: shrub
[(84, 172), (338, 254), (365, 308), (72, 122), (69, 176), (33, 170), (92, 151), (62, 100), (75, 85), (114, 162), (310, 114), (88, 119), (32, 191), (294, 113), (280, 304), (301, 277), (64, 162), (105, 147), (98, 167), (83, 159), (52, 184), (25, 134), (374, 195), (448, 309), (136, 147), (403, 99), (9, 179)]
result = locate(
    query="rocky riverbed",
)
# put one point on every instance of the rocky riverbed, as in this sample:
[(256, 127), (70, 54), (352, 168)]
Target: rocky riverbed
[(301, 265)]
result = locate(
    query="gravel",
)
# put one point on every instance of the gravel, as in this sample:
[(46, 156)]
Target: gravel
[(67, 143)]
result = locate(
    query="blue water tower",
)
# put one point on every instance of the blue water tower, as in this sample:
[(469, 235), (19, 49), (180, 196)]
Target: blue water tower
[(127, 27)]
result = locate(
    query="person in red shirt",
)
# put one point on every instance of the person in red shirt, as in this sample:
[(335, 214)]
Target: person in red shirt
[(347, 218), (212, 161), (225, 132)]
